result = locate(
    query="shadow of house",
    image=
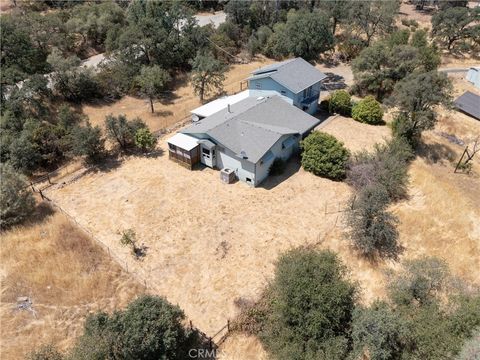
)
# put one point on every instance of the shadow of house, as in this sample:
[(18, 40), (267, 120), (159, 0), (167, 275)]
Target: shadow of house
[(292, 167)]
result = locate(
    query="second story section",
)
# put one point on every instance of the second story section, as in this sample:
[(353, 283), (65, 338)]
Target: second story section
[(294, 78)]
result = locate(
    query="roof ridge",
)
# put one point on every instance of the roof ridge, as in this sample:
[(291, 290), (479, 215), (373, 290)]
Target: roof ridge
[(268, 127)]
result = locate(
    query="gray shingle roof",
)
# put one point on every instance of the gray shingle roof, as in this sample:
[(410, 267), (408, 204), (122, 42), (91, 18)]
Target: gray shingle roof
[(253, 125), (469, 103), (295, 74)]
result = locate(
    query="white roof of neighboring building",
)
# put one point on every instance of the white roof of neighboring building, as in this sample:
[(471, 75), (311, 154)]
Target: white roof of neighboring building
[(183, 141), (216, 105)]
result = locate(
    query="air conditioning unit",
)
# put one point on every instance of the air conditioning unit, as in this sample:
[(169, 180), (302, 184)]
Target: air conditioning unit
[(227, 175)]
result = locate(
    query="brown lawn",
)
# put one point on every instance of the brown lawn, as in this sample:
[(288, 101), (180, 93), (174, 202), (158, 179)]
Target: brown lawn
[(66, 276), (178, 107)]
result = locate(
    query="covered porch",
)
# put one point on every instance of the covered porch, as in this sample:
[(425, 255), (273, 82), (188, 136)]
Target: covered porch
[(184, 150)]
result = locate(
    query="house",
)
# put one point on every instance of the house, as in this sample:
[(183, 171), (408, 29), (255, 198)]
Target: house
[(473, 76), (295, 78), (245, 137), (222, 103), (469, 103)]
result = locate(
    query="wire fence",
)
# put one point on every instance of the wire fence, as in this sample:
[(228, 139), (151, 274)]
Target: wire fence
[(137, 272)]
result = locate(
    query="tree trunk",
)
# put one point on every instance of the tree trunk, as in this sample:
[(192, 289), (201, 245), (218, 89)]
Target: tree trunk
[(450, 43), (151, 105), (202, 90)]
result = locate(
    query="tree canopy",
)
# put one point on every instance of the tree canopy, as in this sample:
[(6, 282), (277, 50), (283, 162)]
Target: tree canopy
[(149, 328), (16, 199), (207, 76), (415, 97), (312, 301)]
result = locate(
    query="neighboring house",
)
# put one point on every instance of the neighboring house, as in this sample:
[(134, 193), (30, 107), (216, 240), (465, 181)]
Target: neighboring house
[(295, 78), (245, 137), (473, 76), (469, 103)]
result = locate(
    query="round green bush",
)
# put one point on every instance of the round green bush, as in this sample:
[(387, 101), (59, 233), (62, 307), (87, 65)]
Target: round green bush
[(341, 103), (324, 155), (368, 111)]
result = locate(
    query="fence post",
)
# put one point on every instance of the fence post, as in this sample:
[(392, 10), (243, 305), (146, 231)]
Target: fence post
[(48, 177), (191, 325), (228, 325)]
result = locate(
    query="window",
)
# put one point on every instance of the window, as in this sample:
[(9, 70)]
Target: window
[(307, 92), (258, 85), (205, 151), (283, 92), (171, 147), (248, 180)]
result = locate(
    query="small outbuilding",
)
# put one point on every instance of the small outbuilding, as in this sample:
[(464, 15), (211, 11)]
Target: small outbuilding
[(473, 76), (184, 149)]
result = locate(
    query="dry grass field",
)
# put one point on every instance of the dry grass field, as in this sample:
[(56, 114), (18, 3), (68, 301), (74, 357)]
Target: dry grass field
[(210, 243), (65, 275)]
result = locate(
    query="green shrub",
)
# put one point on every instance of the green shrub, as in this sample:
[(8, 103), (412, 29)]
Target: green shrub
[(325, 105), (323, 155), (420, 281), (380, 332), (387, 165), (341, 103), (149, 328), (278, 167), (45, 352), (372, 228), (145, 140), (122, 131), (310, 308), (368, 111)]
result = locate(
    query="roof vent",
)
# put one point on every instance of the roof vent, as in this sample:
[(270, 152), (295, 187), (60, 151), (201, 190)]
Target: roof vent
[(228, 108), (243, 154)]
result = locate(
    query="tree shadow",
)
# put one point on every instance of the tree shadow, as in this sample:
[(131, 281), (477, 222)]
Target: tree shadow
[(329, 60), (435, 153), (156, 153), (42, 211), (292, 167), (333, 82), (109, 162), (162, 113), (140, 252)]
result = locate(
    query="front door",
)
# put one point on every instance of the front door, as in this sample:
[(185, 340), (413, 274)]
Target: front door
[(208, 157)]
